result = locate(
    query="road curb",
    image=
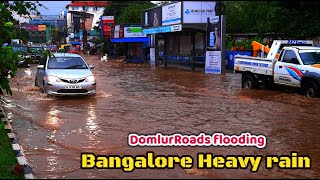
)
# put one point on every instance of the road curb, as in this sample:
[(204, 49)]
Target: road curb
[(21, 159)]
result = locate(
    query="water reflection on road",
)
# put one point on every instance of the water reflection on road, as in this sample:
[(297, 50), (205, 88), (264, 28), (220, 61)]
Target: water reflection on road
[(53, 131)]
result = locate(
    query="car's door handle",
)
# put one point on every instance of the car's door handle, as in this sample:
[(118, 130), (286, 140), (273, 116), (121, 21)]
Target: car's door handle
[(280, 66)]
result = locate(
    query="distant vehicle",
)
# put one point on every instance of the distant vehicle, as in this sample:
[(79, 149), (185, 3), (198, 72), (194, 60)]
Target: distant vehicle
[(74, 49), (65, 74), (22, 52), (53, 48), (16, 41), (36, 53), (64, 48)]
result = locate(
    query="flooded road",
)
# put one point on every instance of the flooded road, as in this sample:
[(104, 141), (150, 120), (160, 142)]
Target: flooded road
[(137, 98)]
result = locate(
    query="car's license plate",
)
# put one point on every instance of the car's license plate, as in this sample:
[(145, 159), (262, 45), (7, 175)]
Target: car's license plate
[(73, 87)]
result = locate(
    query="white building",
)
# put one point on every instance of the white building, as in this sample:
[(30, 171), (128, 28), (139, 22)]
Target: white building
[(78, 9), (23, 18)]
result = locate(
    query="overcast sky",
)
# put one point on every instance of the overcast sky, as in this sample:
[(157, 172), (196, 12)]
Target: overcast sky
[(54, 7)]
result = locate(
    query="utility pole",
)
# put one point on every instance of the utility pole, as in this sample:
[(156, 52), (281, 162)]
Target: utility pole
[(84, 32)]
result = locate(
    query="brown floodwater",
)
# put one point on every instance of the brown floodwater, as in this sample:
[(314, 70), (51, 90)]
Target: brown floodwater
[(138, 98)]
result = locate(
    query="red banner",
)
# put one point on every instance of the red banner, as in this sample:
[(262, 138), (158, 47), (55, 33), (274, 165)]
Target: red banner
[(29, 27), (107, 23)]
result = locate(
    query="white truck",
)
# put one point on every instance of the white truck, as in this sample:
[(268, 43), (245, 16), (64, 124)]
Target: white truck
[(297, 66)]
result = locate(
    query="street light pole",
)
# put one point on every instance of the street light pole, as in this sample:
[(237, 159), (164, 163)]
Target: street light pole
[(84, 32)]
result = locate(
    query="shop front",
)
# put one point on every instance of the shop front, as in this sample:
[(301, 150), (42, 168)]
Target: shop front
[(178, 32), (136, 43)]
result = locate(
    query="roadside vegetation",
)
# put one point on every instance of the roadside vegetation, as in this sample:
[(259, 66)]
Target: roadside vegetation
[(7, 158), (8, 68)]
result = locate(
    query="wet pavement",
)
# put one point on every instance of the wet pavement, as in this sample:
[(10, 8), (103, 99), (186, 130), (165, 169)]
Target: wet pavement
[(138, 98)]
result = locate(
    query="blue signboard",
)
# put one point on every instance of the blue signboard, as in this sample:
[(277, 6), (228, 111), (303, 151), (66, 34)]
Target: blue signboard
[(140, 39), (162, 29)]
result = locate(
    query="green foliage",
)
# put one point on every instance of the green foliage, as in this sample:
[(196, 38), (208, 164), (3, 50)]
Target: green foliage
[(121, 10), (8, 66), (228, 41), (296, 21), (8, 58), (22, 34), (7, 159), (132, 13)]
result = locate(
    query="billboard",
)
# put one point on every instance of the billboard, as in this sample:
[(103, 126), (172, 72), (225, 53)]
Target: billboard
[(198, 11), (133, 32), (107, 22), (171, 14), (214, 44), (163, 29), (152, 17), (42, 27), (117, 31), (29, 27)]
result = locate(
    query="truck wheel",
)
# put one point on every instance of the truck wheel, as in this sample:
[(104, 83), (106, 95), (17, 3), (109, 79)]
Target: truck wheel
[(249, 82), (310, 89)]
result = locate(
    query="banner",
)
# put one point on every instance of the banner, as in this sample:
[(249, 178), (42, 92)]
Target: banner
[(29, 27), (133, 32), (152, 56), (214, 36), (163, 29), (152, 17), (213, 62), (171, 14), (197, 11), (214, 44), (107, 23)]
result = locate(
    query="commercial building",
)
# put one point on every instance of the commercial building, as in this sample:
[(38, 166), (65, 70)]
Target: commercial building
[(77, 10), (135, 41), (179, 31)]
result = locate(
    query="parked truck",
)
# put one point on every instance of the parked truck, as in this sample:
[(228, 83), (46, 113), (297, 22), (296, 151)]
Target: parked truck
[(297, 66)]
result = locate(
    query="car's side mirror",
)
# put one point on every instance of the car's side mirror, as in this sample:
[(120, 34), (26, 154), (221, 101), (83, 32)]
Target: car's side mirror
[(40, 66), (91, 66)]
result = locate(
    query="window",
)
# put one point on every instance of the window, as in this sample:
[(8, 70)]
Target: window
[(185, 44), (75, 8), (95, 8), (309, 58), (85, 8), (290, 57)]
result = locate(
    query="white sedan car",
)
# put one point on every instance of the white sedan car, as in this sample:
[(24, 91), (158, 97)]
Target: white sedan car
[(65, 74)]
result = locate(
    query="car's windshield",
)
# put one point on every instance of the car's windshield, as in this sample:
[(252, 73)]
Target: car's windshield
[(19, 48), (66, 63), (310, 57)]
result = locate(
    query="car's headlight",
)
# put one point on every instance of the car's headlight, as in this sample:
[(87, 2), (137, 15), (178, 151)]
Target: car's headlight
[(53, 79), (27, 56), (90, 79)]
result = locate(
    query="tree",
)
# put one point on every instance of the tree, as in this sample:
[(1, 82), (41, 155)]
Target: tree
[(118, 8), (298, 19), (9, 59), (132, 13)]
